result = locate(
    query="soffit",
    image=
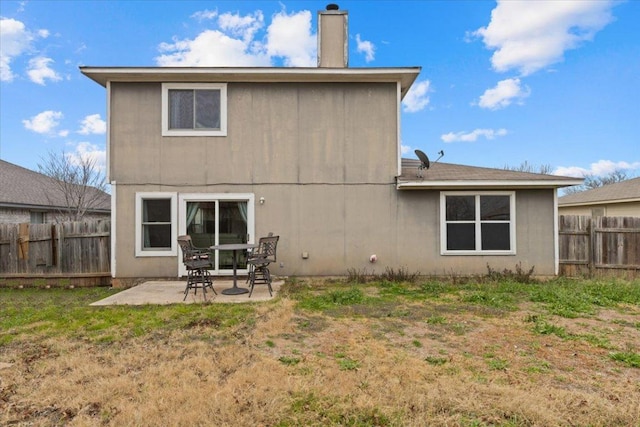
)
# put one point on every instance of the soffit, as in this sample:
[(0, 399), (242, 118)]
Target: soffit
[(102, 75)]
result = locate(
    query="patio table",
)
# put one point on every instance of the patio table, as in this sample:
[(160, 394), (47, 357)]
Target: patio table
[(235, 247)]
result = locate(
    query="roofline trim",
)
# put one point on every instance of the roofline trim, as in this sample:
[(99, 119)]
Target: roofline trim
[(598, 202), (46, 207), (477, 184), (405, 75)]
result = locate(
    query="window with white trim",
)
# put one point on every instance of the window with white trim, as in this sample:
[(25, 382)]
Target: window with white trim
[(194, 109), (38, 217), (156, 231), (481, 223)]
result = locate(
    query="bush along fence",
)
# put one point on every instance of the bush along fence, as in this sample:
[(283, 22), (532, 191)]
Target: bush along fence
[(64, 254), (599, 245)]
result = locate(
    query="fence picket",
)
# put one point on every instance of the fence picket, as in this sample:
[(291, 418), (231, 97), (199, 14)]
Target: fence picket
[(591, 245), (72, 248)]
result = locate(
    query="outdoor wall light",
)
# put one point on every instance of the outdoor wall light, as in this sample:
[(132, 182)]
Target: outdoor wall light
[(373, 258), (262, 200)]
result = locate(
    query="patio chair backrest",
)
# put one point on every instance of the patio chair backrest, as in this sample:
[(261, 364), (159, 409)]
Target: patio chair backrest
[(188, 251), (267, 248)]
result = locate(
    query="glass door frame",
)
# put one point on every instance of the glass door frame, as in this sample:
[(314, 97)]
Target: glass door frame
[(184, 198)]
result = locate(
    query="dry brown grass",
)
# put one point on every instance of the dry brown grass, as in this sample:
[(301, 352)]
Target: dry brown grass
[(463, 368)]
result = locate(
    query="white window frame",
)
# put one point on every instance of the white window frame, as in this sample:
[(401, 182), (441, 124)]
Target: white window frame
[(194, 132), (140, 251), (183, 198), (40, 215), (478, 223)]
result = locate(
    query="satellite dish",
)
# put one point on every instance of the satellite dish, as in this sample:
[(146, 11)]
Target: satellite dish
[(424, 160)]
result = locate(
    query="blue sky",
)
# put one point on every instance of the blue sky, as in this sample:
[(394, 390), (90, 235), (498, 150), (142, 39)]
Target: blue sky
[(547, 82)]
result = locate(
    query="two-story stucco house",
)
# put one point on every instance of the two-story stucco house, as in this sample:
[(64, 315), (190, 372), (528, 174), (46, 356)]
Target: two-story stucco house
[(312, 155)]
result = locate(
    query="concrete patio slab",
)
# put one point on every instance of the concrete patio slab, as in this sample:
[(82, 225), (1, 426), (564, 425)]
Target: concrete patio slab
[(170, 292)]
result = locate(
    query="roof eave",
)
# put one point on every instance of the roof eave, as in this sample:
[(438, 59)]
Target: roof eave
[(596, 202), (32, 206), (404, 75), (481, 184)]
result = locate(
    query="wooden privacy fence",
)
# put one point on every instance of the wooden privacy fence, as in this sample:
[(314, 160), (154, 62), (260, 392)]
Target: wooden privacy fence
[(596, 245), (70, 253)]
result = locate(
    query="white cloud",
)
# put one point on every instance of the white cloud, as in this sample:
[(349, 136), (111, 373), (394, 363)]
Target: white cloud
[(235, 42), (505, 92), (93, 124), (15, 40), (366, 47), (44, 123), (88, 151), (290, 37), (473, 135), (242, 26), (417, 98), (530, 35), (404, 149), (599, 168), (39, 70), (210, 48), (205, 15), (231, 45)]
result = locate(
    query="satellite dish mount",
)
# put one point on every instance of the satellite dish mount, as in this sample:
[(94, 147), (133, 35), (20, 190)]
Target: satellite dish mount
[(424, 161)]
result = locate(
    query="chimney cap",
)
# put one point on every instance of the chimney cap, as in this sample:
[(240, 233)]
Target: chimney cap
[(333, 6)]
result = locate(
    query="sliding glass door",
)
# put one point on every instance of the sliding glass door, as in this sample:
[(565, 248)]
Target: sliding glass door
[(215, 219)]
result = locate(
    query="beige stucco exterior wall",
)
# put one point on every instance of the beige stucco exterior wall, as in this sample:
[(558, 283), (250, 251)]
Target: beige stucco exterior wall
[(608, 209), (418, 242), (277, 133), (341, 226), (324, 158)]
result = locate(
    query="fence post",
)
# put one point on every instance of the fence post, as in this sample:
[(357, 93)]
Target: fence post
[(54, 246), (60, 229), (592, 246)]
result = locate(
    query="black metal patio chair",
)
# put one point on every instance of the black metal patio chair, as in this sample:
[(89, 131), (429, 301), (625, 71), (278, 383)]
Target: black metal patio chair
[(198, 263), (259, 261)]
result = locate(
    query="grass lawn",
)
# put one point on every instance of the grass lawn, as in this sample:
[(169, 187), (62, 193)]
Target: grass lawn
[(489, 351)]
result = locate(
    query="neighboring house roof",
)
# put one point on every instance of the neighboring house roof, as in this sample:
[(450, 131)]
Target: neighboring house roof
[(451, 176), (619, 192), (405, 75), (24, 188)]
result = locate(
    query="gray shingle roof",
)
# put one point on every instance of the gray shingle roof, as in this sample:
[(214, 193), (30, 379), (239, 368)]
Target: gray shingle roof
[(441, 175), (628, 190), (24, 187)]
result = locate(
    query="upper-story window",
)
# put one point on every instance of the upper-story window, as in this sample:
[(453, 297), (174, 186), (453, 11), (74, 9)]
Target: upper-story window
[(194, 109), (481, 223)]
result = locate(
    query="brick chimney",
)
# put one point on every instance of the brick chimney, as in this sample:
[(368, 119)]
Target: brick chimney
[(333, 37)]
